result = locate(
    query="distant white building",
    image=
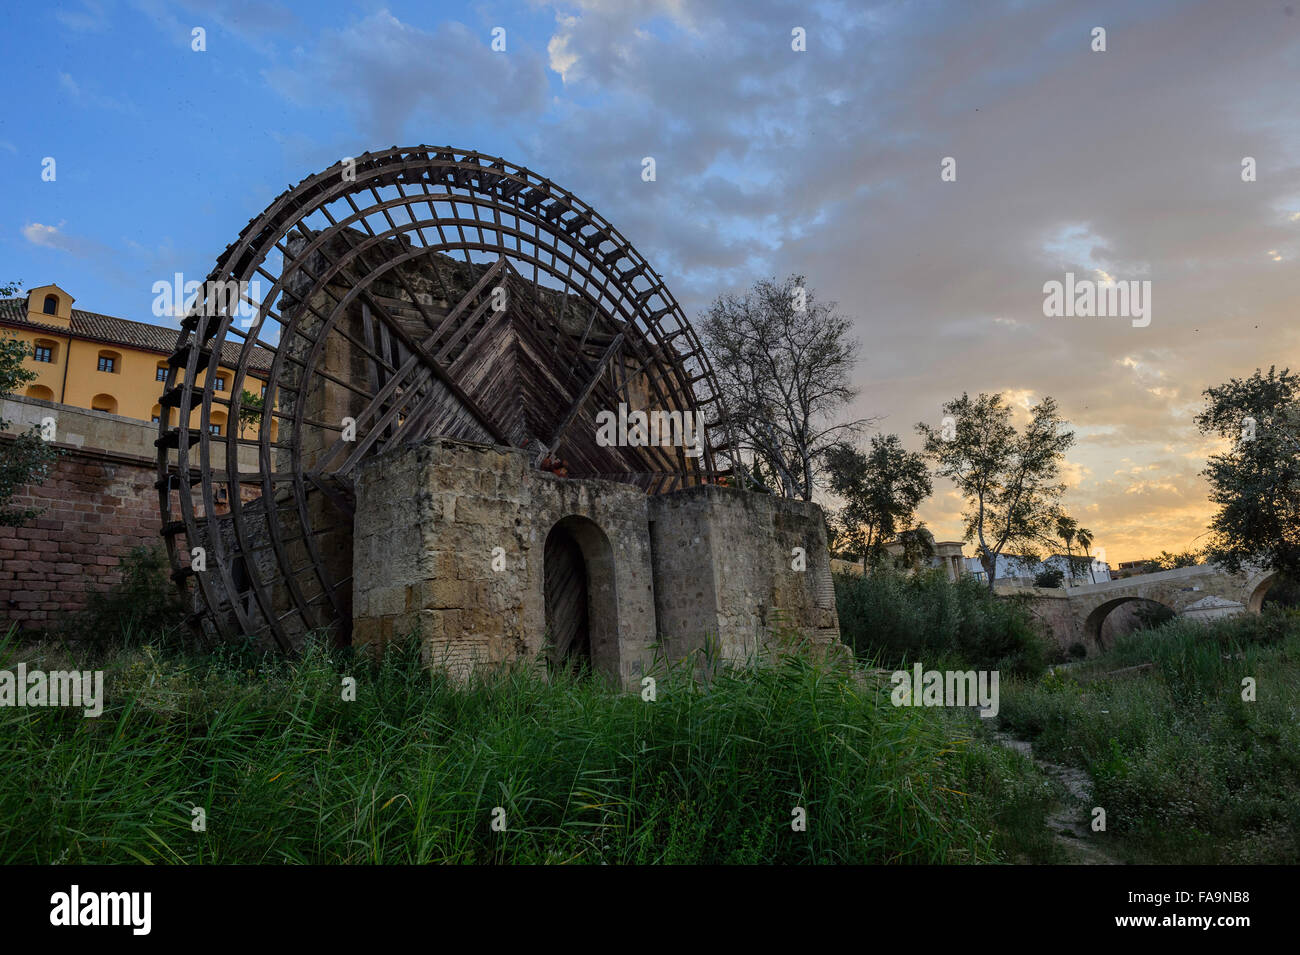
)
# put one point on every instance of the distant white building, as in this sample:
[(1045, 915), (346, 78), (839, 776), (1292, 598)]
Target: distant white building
[(1080, 571), (1023, 570), (1009, 567)]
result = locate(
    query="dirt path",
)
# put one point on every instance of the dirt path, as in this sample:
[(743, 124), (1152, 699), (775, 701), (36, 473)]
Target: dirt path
[(1068, 821)]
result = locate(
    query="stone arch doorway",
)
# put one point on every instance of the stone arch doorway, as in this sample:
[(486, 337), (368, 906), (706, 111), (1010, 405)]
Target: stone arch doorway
[(1120, 616), (579, 590)]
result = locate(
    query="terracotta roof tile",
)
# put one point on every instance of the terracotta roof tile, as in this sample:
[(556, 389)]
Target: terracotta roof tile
[(121, 331)]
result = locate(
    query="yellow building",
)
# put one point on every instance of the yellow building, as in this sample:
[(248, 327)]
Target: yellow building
[(110, 364)]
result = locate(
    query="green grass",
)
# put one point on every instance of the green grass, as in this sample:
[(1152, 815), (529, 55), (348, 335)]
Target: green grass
[(1186, 770), (287, 771), (410, 772)]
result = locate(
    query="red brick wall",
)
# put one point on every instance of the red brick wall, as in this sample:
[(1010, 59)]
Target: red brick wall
[(98, 506)]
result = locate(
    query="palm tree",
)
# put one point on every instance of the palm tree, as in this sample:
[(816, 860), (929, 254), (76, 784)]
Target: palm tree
[(1084, 537), (1067, 528)]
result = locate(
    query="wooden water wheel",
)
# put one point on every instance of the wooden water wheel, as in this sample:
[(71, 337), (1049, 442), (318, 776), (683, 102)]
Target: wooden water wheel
[(401, 295)]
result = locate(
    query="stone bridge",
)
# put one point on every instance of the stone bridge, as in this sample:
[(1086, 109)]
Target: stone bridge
[(1201, 592)]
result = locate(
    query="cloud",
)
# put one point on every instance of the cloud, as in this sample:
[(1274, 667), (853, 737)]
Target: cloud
[(38, 234), (826, 163), (560, 58), (91, 18), (90, 99), (391, 77), (255, 23), (53, 237)]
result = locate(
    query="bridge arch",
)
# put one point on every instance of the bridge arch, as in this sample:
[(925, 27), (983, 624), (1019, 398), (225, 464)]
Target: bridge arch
[(1096, 618), (1257, 590)]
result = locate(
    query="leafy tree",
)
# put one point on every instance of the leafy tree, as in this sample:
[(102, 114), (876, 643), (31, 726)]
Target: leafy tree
[(1256, 481), (881, 489), (250, 409), (1049, 577), (1284, 592), (24, 458), (1167, 561), (784, 361), (1010, 479), (1151, 615), (916, 547)]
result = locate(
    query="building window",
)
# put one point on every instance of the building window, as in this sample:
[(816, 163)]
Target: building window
[(157, 419), (264, 391), (51, 306), (161, 373), (105, 403), (43, 353), (219, 383), (214, 429)]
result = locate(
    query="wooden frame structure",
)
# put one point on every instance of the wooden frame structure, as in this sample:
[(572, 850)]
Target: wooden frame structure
[(404, 294)]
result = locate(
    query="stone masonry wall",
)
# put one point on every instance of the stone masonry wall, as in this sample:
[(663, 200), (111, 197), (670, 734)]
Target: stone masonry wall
[(98, 506), (428, 519), (1050, 609), (674, 567), (725, 566)]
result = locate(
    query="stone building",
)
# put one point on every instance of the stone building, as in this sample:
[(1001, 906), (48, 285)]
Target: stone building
[(555, 545), (493, 428), (944, 555), (484, 557), (109, 365), (489, 558)]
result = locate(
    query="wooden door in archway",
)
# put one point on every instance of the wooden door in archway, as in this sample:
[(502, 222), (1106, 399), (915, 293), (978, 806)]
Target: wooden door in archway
[(565, 583)]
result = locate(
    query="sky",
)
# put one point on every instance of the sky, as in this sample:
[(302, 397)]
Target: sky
[(1123, 165)]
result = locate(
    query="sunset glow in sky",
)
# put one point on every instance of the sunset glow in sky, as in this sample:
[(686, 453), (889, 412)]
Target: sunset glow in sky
[(1124, 164)]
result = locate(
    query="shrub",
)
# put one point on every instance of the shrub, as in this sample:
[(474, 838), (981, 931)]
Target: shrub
[(24, 457), (1284, 593), (1151, 615), (142, 605), (1050, 577), (894, 619)]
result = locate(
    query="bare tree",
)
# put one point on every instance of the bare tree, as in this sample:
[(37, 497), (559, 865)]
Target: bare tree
[(784, 362)]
